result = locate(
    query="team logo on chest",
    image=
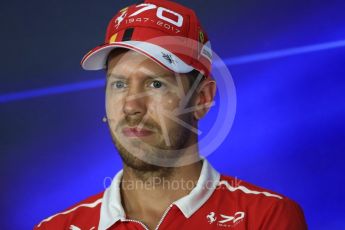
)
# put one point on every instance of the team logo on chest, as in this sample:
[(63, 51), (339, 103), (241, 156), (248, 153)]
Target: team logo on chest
[(224, 220)]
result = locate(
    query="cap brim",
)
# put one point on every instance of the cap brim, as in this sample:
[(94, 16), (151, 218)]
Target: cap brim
[(96, 58)]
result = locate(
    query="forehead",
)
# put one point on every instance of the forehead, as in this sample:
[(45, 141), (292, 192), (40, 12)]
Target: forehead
[(123, 63)]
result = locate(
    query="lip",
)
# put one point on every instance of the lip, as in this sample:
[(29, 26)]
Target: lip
[(136, 132)]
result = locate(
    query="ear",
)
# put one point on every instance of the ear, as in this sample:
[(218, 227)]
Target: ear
[(204, 98)]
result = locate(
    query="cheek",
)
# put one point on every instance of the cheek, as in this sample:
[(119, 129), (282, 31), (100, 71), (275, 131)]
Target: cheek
[(162, 109), (165, 103), (113, 106)]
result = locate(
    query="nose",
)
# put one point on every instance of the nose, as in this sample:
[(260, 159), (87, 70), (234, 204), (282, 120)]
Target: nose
[(135, 103)]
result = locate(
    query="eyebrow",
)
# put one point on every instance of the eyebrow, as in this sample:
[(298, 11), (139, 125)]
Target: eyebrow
[(117, 76), (168, 77)]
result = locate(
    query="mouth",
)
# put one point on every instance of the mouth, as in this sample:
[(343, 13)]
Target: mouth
[(136, 132)]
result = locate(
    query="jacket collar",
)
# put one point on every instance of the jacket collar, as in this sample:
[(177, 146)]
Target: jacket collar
[(112, 210)]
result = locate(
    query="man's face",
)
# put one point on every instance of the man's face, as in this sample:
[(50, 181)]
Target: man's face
[(144, 106)]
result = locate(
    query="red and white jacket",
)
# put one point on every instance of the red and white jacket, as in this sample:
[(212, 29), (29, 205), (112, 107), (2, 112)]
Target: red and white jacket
[(217, 202)]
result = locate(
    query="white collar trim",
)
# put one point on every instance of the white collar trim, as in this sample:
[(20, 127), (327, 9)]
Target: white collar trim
[(112, 210)]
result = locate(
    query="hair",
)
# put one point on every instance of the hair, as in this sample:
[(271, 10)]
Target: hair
[(193, 76)]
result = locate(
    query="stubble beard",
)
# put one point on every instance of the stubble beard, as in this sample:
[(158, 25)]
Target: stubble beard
[(145, 159)]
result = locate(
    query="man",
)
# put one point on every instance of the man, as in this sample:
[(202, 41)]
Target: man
[(158, 65)]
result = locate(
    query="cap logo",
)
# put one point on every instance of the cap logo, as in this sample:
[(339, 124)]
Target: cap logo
[(159, 13), (201, 37), (168, 57), (206, 51), (113, 38), (146, 6), (120, 18), (167, 18)]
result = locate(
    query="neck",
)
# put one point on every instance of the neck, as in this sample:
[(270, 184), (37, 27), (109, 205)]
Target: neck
[(152, 192)]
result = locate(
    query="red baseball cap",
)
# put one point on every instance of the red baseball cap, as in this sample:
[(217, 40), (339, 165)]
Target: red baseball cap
[(168, 33)]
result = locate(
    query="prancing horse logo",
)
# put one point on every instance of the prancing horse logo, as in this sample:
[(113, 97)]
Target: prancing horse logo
[(210, 217), (120, 18)]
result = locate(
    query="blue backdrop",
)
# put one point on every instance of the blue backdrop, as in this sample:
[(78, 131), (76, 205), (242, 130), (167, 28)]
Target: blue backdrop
[(287, 61)]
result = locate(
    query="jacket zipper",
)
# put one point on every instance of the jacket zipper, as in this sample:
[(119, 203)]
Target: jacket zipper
[(137, 221), (164, 214), (159, 223)]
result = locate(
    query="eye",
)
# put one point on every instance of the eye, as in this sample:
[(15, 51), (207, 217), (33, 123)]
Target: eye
[(156, 84), (118, 84)]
